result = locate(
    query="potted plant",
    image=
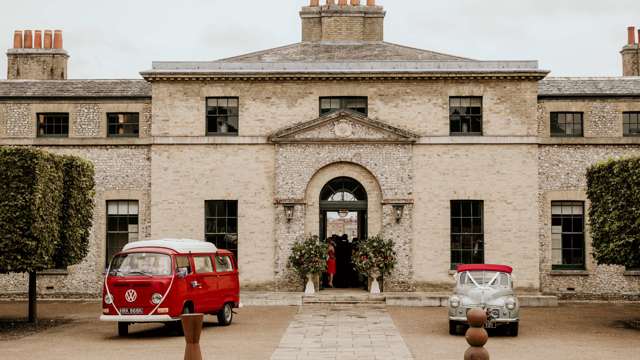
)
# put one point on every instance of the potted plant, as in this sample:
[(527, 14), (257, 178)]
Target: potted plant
[(309, 259), (375, 257)]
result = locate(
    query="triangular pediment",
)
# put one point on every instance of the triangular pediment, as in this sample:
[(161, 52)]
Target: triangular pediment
[(343, 126)]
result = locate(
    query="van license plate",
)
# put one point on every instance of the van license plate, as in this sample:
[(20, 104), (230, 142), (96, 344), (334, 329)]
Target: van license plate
[(131, 311)]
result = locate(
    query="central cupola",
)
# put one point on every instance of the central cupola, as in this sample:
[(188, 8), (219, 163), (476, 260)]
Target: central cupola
[(344, 21)]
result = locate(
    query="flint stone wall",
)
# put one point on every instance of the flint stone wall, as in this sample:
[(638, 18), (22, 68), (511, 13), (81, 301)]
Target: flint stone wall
[(390, 164), (562, 174), (121, 173)]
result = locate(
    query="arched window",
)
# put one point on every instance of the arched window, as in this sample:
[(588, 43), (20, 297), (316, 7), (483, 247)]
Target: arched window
[(343, 189)]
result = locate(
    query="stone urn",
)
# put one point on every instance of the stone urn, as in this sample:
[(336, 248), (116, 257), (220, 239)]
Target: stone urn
[(374, 286), (309, 289)]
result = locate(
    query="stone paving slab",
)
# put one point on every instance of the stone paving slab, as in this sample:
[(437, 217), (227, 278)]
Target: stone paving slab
[(342, 332)]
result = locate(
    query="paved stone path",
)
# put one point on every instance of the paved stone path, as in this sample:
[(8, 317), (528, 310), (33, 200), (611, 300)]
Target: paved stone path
[(342, 332)]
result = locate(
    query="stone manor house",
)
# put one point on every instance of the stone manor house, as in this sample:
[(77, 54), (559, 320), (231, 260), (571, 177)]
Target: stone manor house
[(457, 160)]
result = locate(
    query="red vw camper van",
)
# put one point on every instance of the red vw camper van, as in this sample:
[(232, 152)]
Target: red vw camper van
[(158, 280)]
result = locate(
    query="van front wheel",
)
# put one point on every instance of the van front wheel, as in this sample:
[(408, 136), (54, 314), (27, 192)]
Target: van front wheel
[(123, 329), (225, 316)]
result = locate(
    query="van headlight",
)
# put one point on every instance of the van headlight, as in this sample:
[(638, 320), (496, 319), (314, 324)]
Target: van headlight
[(510, 303), (108, 299), (156, 298), (454, 301)]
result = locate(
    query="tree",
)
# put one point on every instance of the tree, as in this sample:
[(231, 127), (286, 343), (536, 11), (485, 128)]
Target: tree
[(46, 206), (613, 187)]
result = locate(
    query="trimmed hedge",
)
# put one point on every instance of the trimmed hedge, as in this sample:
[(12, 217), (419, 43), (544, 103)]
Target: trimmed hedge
[(613, 187), (30, 201), (46, 209), (76, 215)]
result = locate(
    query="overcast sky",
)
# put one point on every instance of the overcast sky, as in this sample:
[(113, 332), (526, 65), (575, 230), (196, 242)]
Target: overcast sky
[(120, 38)]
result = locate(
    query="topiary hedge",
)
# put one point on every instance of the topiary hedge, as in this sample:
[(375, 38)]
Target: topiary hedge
[(76, 215), (30, 201), (613, 187)]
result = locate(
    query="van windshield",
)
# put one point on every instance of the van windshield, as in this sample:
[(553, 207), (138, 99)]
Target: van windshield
[(145, 264)]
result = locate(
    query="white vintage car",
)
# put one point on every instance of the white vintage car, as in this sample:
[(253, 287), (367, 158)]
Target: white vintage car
[(489, 287)]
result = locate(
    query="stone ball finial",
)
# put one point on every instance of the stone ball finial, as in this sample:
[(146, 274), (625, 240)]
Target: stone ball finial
[(476, 335)]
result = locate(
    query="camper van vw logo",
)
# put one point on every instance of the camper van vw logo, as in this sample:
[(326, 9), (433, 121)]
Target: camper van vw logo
[(131, 295)]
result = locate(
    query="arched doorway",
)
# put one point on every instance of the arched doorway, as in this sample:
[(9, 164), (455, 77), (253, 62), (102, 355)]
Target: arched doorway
[(343, 217)]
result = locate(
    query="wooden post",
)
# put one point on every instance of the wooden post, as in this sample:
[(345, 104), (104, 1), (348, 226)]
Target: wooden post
[(192, 326), (33, 304)]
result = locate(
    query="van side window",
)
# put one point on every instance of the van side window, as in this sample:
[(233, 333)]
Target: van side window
[(182, 262), (223, 264), (203, 264)]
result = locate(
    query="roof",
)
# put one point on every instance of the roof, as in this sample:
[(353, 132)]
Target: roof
[(177, 245), (589, 86), (75, 89), (323, 51), (346, 60), (485, 267)]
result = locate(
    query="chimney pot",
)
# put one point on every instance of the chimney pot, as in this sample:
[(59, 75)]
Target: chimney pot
[(37, 43), (342, 2), (17, 39), (57, 39), (28, 39), (631, 34), (48, 39), (314, 3), (355, 2), (371, 2)]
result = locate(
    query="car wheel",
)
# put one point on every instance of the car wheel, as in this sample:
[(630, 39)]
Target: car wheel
[(513, 329), (123, 329), (225, 316), (453, 327)]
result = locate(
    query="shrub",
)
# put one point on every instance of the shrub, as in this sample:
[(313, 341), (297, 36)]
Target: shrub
[(30, 201), (375, 253), (76, 215), (309, 256), (613, 187)]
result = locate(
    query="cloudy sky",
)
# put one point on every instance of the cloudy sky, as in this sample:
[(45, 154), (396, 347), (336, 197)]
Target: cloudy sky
[(119, 38)]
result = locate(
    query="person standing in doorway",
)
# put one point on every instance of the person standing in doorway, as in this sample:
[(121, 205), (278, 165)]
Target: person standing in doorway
[(331, 262)]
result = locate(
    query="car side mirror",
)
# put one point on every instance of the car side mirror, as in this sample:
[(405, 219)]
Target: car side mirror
[(182, 273)]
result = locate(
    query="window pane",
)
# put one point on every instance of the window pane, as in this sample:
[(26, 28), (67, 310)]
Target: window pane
[(222, 115), (357, 103), (465, 115), (221, 224), (467, 238), (567, 234)]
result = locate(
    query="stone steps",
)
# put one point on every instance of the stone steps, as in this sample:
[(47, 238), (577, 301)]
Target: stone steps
[(330, 297)]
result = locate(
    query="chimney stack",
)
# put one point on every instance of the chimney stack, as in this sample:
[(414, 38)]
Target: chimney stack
[(347, 22), (34, 59), (28, 39), (37, 42), (631, 54), (48, 39), (17, 39)]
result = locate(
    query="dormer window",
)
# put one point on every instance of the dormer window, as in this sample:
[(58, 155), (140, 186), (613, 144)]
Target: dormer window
[(334, 103)]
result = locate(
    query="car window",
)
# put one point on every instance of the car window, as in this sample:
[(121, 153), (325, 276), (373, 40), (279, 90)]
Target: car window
[(203, 264), (223, 264), (182, 262), (146, 264)]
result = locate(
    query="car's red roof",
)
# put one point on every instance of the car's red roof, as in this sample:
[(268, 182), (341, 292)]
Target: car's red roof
[(485, 267)]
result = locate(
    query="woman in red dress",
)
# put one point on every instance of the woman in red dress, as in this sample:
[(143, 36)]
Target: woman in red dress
[(331, 263)]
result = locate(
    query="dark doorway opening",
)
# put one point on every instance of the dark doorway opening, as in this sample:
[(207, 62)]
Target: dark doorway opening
[(343, 219)]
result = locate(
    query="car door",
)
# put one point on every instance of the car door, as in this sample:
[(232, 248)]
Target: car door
[(226, 277), (207, 282)]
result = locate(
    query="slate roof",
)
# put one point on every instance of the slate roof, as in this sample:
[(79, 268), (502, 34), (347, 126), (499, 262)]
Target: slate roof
[(364, 51), (75, 89), (589, 86)]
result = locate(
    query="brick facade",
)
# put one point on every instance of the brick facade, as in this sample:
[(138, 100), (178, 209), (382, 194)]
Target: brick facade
[(401, 152)]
